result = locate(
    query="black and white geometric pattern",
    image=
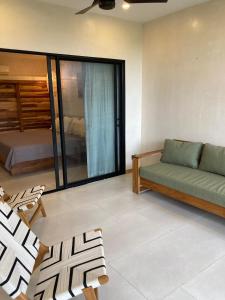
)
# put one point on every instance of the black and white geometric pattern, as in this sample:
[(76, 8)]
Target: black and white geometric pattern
[(18, 250), (71, 266), (29, 196), (66, 270)]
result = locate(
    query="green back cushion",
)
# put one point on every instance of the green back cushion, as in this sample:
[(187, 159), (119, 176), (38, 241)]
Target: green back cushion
[(182, 153), (213, 159)]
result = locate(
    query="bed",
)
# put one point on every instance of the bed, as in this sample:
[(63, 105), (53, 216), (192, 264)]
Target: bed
[(32, 150), (28, 151)]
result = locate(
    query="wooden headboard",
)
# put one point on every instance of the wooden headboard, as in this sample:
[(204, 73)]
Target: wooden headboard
[(24, 105)]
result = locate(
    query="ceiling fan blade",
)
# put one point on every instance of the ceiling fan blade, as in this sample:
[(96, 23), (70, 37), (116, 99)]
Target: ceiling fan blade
[(83, 11), (146, 1)]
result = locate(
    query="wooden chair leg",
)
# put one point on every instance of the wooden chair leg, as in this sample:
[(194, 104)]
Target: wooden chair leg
[(39, 209), (24, 218), (42, 208), (96, 293), (35, 215), (89, 294), (41, 253), (22, 297)]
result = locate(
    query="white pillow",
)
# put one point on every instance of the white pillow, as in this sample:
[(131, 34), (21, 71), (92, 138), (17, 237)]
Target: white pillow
[(67, 123), (77, 127), (74, 127)]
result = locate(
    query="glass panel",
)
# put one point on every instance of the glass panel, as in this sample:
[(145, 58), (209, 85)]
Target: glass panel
[(73, 119), (89, 119)]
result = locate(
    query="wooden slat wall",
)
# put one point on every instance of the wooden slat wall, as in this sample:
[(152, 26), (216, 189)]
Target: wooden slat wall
[(9, 119), (24, 105)]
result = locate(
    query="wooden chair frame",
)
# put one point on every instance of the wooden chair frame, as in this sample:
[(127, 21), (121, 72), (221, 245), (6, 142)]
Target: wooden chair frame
[(23, 214), (140, 184), (40, 209), (89, 293)]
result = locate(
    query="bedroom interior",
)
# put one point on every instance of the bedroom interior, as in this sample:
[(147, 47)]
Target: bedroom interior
[(25, 122)]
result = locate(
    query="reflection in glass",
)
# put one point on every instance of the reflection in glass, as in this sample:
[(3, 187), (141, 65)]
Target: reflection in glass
[(89, 119), (73, 120)]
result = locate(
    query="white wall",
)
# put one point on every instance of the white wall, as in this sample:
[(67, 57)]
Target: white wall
[(30, 25), (184, 76)]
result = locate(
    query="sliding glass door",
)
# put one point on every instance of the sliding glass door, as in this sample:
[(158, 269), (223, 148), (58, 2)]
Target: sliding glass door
[(89, 122), (68, 114)]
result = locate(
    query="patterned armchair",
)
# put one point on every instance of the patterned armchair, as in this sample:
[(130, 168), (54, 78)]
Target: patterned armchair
[(68, 269)]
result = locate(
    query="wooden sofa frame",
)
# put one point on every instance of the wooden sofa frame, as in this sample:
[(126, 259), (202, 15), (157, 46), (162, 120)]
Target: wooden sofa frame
[(140, 184), (89, 293)]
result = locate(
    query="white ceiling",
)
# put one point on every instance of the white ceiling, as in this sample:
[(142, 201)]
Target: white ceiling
[(137, 12)]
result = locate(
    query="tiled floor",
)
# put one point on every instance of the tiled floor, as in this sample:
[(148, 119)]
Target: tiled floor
[(15, 183), (156, 248)]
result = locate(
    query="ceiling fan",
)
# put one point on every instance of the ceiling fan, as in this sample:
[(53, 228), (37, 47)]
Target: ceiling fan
[(110, 4)]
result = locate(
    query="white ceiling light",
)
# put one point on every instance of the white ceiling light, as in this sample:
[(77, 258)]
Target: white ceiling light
[(125, 5)]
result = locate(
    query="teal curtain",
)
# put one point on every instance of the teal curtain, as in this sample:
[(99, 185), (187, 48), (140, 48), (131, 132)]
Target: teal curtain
[(99, 118)]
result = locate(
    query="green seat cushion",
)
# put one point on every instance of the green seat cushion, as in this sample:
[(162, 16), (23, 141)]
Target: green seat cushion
[(195, 182), (182, 153), (213, 159)]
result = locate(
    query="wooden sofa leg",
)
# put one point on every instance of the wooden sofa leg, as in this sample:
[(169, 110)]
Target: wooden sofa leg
[(89, 294), (136, 176)]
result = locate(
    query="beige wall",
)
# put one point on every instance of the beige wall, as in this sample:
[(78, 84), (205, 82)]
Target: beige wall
[(184, 76), (23, 65), (30, 25)]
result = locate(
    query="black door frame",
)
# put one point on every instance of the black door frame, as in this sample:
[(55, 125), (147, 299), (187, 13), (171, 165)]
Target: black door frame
[(119, 66)]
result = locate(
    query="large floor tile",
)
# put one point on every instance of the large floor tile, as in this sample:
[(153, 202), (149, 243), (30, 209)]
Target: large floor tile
[(132, 229), (212, 223), (159, 267), (129, 229), (180, 294), (118, 288), (172, 205), (125, 202), (60, 227), (209, 284)]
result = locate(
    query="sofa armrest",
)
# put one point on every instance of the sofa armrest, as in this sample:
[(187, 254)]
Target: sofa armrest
[(136, 163), (146, 154)]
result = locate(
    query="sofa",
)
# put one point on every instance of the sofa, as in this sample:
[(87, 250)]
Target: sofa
[(193, 173)]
